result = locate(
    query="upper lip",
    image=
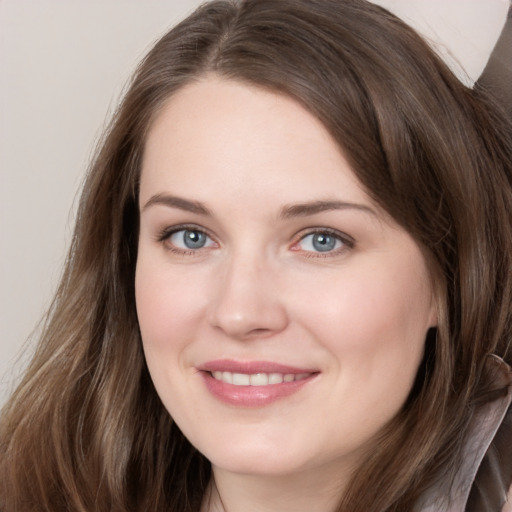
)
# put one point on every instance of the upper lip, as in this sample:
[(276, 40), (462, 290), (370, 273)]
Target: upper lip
[(251, 367)]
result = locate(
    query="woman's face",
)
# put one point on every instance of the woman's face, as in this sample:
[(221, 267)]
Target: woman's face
[(283, 314)]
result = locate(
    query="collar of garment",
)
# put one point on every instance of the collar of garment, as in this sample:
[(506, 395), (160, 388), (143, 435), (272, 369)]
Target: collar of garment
[(480, 478)]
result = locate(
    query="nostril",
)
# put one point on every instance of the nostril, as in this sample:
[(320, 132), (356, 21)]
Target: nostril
[(259, 331), (246, 309)]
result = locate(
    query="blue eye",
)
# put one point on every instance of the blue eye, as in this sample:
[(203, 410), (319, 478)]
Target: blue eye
[(190, 239), (321, 241)]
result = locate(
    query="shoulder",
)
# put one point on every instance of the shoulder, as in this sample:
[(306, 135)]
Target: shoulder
[(483, 480), (508, 504), (492, 488)]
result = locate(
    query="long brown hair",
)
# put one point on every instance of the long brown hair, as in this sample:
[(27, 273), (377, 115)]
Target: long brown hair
[(85, 429)]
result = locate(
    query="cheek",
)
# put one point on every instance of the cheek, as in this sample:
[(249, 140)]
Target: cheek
[(167, 309), (374, 321), (358, 306)]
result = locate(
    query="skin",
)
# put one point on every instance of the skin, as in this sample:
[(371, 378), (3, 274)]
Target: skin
[(259, 290)]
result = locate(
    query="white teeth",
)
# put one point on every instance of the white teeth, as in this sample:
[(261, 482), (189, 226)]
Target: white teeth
[(241, 379), (277, 378), (257, 379)]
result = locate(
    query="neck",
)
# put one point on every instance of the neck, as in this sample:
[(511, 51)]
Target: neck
[(300, 492)]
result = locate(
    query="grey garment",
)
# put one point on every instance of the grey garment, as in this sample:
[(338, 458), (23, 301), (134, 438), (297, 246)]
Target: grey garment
[(485, 476), (494, 475), (496, 78)]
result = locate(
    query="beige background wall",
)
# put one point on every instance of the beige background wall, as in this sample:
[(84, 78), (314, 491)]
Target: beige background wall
[(63, 64)]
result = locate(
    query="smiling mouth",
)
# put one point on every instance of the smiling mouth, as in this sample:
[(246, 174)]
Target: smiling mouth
[(253, 383), (257, 379)]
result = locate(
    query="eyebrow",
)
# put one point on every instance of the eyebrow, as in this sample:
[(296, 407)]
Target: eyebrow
[(177, 202), (314, 207), (287, 212)]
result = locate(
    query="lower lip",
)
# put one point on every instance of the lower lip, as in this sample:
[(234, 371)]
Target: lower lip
[(252, 396)]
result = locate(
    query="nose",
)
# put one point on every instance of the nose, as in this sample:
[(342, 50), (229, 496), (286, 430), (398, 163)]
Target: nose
[(249, 302)]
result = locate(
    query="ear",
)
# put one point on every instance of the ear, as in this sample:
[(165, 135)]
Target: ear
[(434, 312), (434, 316)]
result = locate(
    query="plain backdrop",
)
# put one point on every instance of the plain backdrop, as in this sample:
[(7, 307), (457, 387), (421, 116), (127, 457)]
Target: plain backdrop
[(63, 65)]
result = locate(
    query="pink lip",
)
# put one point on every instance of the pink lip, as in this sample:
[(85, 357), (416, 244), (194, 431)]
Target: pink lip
[(252, 396), (250, 367)]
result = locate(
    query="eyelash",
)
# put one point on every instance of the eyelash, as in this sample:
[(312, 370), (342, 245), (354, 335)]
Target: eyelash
[(166, 233), (346, 241)]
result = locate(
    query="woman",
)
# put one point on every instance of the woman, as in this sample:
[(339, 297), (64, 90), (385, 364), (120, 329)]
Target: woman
[(289, 286)]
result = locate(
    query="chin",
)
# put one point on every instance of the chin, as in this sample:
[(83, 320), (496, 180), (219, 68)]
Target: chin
[(258, 465), (257, 458)]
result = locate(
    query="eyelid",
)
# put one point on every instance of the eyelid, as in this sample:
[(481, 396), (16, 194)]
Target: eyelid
[(347, 241), (167, 232)]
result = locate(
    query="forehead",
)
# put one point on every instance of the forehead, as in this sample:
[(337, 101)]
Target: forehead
[(218, 136)]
